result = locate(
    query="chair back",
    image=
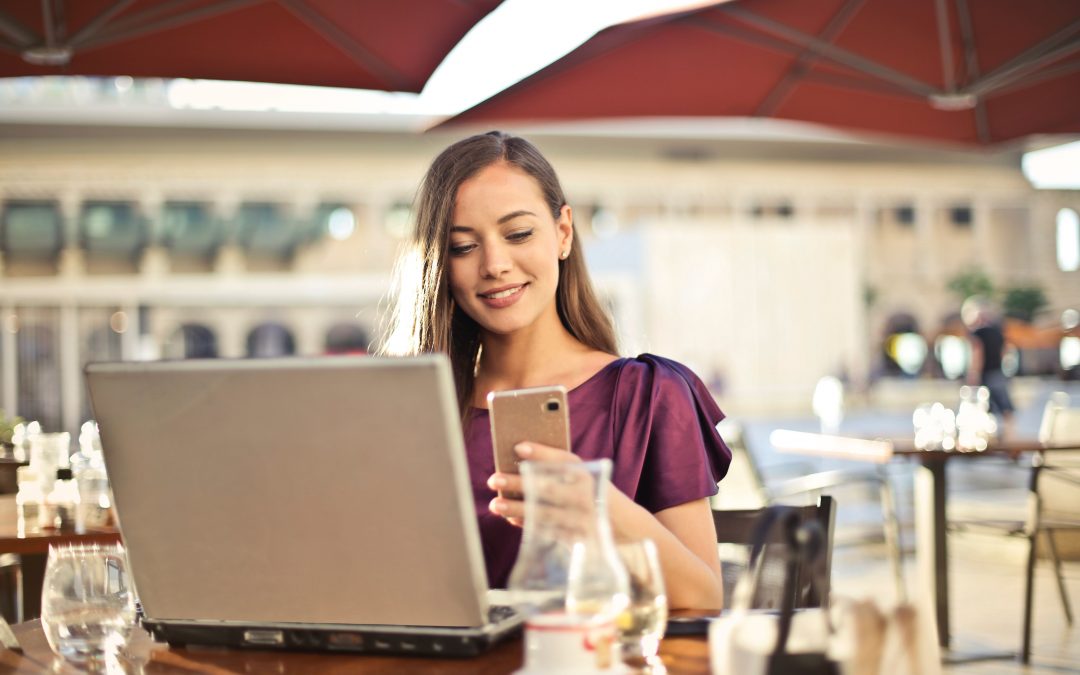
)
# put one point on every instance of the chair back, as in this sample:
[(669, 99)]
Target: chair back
[(1059, 479), (737, 527)]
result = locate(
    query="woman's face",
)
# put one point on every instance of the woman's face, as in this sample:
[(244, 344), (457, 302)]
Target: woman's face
[(504, 250)]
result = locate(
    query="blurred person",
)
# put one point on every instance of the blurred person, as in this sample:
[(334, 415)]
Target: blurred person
[(987, 350), (504, 291)]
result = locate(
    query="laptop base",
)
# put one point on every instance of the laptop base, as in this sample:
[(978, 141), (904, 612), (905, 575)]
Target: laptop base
[(439, 642)]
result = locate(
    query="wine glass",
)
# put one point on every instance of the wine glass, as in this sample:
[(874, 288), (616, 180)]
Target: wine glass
[(87, 604), (642, 625)]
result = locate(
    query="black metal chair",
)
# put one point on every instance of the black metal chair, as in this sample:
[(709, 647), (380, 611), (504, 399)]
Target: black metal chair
[(803, 480), (737, 527), (11, 587)]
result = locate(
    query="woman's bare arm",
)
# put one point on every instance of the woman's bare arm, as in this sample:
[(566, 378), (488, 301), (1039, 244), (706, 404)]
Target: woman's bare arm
[(684, 535)]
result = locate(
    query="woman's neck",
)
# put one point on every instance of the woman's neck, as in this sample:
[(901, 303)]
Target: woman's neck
[(544, 353), (529, 358)]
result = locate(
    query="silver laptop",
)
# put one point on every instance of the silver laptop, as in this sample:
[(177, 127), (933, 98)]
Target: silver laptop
[(318, 503)]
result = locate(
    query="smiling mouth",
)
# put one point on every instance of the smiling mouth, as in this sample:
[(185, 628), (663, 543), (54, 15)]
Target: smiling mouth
[(498, 295)]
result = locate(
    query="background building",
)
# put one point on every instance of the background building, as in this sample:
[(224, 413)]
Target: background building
[(764, 264)]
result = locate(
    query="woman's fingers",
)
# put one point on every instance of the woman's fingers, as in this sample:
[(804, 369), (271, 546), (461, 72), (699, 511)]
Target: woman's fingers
[(558, 500), (511, 509), (505, 482), (539, 452)]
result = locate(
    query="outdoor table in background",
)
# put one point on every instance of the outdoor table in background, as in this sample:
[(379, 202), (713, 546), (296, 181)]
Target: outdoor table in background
[(931, 494), (35, 547), (8, 467)]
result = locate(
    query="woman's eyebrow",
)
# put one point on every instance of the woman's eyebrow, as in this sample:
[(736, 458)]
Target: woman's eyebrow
[(515, 214), (504, 219)]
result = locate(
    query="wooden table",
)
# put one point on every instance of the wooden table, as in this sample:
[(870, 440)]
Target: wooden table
[(8, 474), (931, 493), (34, 547), (681, 656), (12, 542)]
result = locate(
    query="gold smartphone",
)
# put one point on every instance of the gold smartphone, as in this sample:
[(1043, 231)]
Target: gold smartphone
[(538, 414)]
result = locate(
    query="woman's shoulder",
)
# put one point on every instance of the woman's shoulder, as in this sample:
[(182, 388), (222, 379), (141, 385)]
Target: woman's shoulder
[(652, 380), (657, 371)]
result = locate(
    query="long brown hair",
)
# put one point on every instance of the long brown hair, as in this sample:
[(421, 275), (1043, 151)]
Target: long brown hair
[(426, 318)]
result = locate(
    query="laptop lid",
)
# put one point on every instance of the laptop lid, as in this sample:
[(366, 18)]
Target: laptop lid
[(329, 490)]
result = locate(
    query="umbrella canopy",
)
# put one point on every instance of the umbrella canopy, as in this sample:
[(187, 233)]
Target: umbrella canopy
[(392, 45), (965, 71)]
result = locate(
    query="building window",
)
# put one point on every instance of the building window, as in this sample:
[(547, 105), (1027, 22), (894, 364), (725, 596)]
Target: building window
[(960, 216), (336, 220), (31, 229), (187, 228), (904, 215), (37, 345), (1068, 240), (263, 229), (347, 338), (111, 229), (953, 353), (904, 348), (269, 340), (192, 341)]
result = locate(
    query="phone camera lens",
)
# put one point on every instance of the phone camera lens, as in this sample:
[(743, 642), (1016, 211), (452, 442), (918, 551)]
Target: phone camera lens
[(552, 406)]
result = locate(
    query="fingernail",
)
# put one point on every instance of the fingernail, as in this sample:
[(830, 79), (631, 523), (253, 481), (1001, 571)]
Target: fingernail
[(498, 506), (523, 449), (497, 482)]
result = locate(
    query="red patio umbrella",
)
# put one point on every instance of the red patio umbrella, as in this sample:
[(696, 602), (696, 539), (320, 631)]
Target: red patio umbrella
[(965, 71), (389, 44)]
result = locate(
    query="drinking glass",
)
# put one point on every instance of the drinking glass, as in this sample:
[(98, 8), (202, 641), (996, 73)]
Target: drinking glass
[(642, 625), (87, 605)]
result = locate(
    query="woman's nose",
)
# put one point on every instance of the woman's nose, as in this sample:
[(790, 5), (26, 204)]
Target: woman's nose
[(496, 261)]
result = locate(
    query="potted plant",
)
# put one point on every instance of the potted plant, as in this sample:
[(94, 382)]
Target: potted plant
[(1024, 302), (7, 430)]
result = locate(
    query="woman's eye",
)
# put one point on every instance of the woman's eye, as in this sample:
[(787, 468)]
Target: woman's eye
[(461, 249), (521, 235)]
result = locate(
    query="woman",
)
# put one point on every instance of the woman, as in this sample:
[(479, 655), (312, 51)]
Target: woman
[(503, 290)]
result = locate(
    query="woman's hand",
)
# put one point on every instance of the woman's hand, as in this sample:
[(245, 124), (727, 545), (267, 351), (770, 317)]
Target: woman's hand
[(514, 509), (684, 534)]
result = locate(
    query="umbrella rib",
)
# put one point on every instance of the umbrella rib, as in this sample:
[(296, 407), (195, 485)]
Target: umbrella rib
[(945, 44), (780, 92), (98, 21), (971, 65), (1046, 51), (343, 41), (150, 13), (20, 34), (47, 23), (739, 33), (1041, 76), (872, 86), (841, 56), (132, 28)]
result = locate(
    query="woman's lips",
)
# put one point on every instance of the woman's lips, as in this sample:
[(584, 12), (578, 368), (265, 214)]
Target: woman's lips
[(503, 297)]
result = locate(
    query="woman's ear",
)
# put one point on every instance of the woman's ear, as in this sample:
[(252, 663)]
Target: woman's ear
[(565, 229)]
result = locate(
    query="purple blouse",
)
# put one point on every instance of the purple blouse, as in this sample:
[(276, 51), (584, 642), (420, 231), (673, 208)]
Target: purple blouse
[(652, 417)]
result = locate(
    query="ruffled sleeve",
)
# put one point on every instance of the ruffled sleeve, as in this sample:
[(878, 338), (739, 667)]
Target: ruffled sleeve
[(667, 449)]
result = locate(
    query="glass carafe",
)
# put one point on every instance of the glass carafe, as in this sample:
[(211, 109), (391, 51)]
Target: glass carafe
[(568, 565), (568, 578)]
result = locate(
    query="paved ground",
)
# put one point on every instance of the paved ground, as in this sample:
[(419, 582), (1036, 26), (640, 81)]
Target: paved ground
[(987, 601)]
